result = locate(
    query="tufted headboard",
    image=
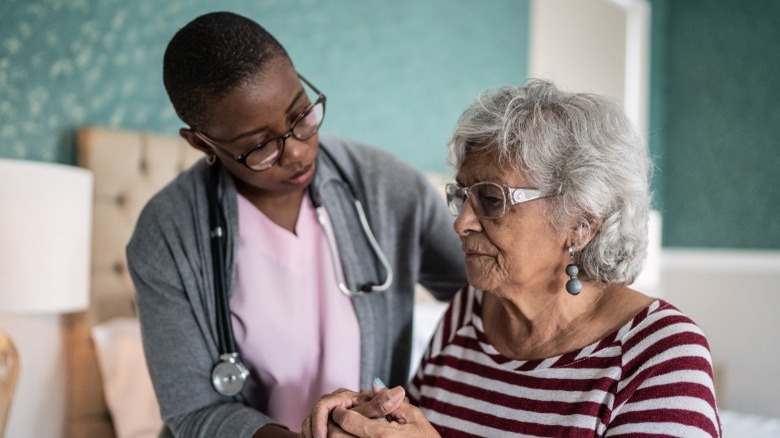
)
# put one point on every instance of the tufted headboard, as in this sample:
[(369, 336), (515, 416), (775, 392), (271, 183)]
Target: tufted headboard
[(128, 168)]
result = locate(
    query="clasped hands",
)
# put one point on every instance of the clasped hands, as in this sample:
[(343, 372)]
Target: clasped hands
[(381, 413)]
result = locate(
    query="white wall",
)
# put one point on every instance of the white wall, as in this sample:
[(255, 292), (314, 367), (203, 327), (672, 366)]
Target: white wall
[(734, 297), (577, 44), (600, 46)]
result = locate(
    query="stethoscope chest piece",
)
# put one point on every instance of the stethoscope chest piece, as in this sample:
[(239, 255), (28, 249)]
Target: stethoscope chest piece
[(229, 375)]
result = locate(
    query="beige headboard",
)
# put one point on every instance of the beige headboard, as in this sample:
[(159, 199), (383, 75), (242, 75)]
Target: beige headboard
[(128, 167)]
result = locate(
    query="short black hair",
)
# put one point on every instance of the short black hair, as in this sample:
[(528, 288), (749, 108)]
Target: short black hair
[(211, 55)]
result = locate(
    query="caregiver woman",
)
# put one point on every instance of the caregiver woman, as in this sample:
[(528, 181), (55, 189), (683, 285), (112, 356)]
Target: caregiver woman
[(551, 198), (273, 178)]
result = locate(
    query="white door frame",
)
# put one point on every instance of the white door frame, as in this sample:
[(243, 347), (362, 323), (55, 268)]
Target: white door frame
[(561, 32)]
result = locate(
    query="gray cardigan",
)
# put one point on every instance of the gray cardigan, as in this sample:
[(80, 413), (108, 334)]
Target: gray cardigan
[(170, 263)]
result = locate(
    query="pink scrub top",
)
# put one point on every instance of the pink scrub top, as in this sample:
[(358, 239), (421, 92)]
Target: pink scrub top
[(296, 331)]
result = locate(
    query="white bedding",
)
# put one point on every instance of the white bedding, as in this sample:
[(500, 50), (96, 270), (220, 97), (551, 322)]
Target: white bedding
[(739, 425), (126, 383)]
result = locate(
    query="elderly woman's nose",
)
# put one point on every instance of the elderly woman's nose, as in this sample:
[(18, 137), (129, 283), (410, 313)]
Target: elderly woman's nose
[(466, 221)]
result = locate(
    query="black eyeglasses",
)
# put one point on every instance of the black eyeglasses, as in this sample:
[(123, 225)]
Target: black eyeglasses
[(265, 154), (488, 199)]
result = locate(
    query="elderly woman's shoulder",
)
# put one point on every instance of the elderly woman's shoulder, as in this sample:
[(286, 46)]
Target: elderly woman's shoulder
[(662, 329), (662, 310), (665, 356), (661, 313)]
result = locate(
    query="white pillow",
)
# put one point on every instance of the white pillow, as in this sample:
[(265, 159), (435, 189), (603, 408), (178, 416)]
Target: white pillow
[(426, 318), (740, 425), (126, 383)]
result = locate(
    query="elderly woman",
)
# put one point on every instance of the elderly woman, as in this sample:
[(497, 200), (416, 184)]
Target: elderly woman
[(551, 198)]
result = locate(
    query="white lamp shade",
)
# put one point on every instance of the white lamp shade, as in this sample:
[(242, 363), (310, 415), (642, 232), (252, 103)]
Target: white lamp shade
[(45, 237)]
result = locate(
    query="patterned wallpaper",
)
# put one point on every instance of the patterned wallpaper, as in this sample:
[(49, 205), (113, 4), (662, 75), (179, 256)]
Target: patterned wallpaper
[(397, 74), (68, 63)]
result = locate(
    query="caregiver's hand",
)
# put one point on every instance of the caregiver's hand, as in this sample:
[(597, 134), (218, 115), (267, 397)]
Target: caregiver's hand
[(407, 421), (364, 403)]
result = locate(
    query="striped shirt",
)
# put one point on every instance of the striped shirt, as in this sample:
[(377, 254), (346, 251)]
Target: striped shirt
[(652, 377)]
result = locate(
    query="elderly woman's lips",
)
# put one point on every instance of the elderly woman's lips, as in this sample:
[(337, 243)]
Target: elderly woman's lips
[(472, 248)]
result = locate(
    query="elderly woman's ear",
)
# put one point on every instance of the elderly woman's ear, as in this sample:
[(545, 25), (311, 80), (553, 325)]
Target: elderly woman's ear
[(582, 232)]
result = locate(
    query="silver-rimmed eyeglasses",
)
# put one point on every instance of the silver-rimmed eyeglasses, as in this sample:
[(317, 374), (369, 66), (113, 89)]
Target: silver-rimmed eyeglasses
[(488, 199), (265, 154)]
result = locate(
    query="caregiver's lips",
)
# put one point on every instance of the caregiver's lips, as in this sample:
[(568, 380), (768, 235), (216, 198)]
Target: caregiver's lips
[(304, 176)]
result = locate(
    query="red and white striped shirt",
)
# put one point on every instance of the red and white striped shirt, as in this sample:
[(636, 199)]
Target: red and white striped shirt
[(652, 377)]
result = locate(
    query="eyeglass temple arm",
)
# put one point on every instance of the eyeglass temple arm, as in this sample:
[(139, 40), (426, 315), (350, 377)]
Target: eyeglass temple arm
[(520, 195)]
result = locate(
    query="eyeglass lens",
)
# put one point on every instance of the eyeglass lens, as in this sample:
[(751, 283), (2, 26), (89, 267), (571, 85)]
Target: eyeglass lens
[(487, 199), (305, 125)]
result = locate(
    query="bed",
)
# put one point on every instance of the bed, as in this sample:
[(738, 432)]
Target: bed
[(108, 391), (104, 341)]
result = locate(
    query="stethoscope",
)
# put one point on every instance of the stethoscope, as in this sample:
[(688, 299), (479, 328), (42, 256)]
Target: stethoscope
[(229, 374)]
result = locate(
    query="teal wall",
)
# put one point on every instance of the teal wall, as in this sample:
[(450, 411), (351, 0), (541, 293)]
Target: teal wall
[(397, 74), (715, 121)]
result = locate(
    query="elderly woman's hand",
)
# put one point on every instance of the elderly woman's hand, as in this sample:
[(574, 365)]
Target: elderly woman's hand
[(365, 404), (406, 421)]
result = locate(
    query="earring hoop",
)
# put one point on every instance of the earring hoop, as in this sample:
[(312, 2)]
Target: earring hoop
[(211, 159), (573, 286)]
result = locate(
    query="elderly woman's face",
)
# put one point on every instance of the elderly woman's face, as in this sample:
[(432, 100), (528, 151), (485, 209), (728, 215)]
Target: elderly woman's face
[(517, 252)]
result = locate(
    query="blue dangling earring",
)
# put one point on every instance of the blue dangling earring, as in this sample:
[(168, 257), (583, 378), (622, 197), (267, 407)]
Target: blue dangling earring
[(573, 286)]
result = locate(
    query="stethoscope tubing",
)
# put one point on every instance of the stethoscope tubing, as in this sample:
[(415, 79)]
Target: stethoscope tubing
[(338, 267)]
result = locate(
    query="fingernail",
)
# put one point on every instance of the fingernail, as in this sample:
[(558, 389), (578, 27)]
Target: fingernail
[(379, 383)]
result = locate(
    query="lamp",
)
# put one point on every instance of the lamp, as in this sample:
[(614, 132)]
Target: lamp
[(45, 233)]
